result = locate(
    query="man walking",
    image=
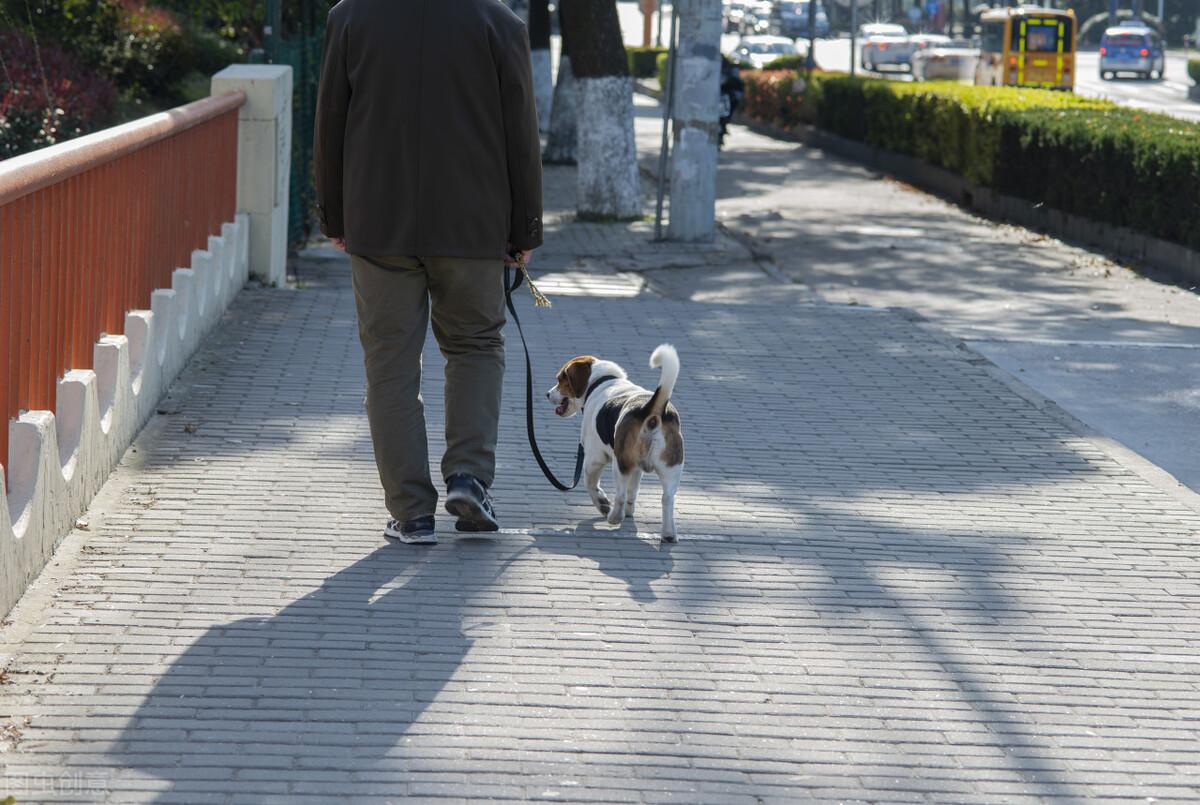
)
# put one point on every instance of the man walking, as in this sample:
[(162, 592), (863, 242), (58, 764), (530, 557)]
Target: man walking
[(428, 173)]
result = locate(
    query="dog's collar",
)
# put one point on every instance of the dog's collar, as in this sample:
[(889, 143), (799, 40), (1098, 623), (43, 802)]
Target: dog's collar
[(600, 381)]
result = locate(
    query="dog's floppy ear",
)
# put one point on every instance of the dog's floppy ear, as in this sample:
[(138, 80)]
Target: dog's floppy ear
[(575, 375)]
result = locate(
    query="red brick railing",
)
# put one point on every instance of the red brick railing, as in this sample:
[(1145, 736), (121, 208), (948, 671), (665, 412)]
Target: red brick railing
[(90, 228)]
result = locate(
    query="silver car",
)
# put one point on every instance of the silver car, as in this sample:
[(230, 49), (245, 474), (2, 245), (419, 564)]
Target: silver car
[(760, 51), (948, 61), (885, 45)]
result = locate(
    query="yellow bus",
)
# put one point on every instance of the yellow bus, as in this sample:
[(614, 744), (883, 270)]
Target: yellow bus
[(1027, 47)]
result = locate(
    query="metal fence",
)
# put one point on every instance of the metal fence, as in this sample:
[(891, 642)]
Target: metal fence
[(295, 39)]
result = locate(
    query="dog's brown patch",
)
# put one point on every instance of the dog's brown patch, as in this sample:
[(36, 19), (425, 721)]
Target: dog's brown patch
[(573, 377), (673, 452), (635, 434)]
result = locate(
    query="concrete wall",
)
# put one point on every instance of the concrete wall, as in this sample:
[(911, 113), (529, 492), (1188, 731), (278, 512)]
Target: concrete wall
[(59, 459)]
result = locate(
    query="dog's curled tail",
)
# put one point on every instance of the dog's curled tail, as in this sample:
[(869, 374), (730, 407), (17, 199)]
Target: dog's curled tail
[(667, 358)]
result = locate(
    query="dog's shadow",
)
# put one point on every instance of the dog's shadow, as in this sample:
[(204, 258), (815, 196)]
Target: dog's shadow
[(636, 558)]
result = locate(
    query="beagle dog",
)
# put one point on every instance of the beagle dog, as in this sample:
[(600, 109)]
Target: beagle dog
[(626, 425)]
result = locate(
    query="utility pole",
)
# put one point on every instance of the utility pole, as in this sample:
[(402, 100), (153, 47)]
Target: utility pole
[(853, 35), (697, 90), (811, 61)]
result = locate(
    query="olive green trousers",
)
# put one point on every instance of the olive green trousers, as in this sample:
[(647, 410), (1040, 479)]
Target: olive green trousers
[(397, 297)]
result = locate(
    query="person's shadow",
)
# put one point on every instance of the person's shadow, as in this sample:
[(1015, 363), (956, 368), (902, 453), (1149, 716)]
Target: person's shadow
[(334, 680), (329, 687)]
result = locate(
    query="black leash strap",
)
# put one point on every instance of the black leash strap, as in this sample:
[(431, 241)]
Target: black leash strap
[(512, 281)]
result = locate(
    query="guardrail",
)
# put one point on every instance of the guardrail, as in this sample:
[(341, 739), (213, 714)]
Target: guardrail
[(91, 227)]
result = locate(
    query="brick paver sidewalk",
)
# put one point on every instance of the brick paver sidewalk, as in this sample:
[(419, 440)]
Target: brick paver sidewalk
[(899, 580)]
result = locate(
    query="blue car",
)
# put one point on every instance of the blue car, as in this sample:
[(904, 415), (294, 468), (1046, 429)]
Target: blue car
[(1132, 49), (790, 18)]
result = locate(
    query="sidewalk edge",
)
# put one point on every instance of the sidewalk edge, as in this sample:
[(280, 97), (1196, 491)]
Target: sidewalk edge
[(1130, 459), (1149, 254)]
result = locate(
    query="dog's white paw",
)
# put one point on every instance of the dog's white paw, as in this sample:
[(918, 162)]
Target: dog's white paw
[(616, 516)]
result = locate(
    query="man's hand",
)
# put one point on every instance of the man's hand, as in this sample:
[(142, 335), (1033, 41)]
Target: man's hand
[(511, 257), (338, 243)]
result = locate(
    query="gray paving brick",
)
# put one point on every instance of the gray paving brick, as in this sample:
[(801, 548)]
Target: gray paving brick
[(899, 581)]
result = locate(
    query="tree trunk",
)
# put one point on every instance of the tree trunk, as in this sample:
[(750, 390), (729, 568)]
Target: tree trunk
[(539, 44), (606, 151), (696, 121), (560, 142)]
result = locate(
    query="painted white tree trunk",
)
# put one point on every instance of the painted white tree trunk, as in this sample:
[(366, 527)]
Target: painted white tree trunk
[(560, 143), (607, 153), (696, 122), (543, 87)]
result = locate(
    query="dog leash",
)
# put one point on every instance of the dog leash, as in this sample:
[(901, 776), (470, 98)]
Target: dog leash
[(512, 281)]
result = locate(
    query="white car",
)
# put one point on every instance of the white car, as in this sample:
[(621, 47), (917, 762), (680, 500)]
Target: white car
[(951, 61), (760, 51), (884, 45)]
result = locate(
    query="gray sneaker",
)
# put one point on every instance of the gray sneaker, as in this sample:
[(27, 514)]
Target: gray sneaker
[(468, 500), (417, 531)]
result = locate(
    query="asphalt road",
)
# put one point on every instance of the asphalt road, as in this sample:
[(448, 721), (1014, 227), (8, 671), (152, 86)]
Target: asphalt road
[(1168, 96)]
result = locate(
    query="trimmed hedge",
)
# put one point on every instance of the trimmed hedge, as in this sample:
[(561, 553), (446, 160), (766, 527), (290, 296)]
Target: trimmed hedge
[(1083, 156), (643, 62), (1194, 69), (791, 62)]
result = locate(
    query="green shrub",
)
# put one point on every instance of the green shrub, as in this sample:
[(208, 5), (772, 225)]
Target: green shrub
[(1194, 69), (789, 62), (148, 52), (775, 96), (1084, 156), (662, 63), (46, 96), (643, 61)]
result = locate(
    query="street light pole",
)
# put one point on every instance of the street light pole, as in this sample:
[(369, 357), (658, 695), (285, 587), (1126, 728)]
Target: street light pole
[(811, 61), (853, 34), (668, 103)]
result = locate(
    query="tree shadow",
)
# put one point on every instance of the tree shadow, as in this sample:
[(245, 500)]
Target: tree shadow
[(621, 553)]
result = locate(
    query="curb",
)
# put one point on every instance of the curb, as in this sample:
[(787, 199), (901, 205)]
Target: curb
[(1128, 458)]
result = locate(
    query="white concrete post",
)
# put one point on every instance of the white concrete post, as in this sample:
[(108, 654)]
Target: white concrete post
[(264, 161), (696, 122)]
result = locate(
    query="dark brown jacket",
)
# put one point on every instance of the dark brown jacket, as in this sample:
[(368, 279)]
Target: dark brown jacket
[(426, 137)]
